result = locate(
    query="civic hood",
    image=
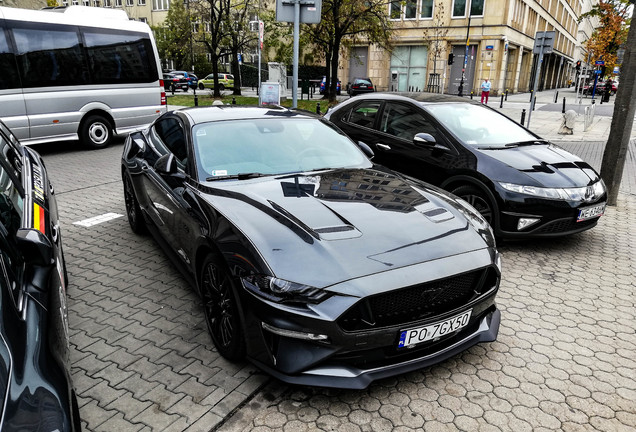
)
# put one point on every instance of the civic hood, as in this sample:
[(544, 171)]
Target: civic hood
[(543, 165), (337, 225)]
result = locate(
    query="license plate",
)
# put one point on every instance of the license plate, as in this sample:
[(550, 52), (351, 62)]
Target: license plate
[(419, 335), (591, 212)]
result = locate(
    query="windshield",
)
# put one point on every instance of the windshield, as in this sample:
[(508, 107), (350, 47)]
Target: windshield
[(271, 146), (479, 126)]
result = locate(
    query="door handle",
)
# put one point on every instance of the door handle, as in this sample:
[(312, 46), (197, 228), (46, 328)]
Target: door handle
[(383, 147)]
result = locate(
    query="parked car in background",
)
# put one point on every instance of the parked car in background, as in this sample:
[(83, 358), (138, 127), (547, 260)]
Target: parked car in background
[(172, 82), (36, 393), (190, 77), (323, 84), (360, 85), (319, 266), (523, 185), (225, 80)]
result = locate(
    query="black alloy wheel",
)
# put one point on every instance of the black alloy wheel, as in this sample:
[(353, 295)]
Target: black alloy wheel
[(476, 198), (221, 309), (133, 211)]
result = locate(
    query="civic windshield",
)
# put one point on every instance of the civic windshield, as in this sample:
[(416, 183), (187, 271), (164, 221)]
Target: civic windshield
[(253, 147), (479, 126)]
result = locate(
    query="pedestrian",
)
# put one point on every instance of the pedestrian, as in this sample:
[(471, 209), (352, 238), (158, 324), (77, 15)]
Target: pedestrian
[(485, 90)]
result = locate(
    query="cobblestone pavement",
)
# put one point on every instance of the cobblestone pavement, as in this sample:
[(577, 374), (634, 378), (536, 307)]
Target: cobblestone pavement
[(142, 359)]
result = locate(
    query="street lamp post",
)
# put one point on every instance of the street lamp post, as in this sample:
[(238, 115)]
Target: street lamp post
[(461, 83)]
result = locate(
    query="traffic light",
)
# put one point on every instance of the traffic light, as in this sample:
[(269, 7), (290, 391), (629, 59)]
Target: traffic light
[(578, 65), (450, 59)]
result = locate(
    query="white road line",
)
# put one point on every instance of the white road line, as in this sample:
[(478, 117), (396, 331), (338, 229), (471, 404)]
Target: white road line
[(97, 219)]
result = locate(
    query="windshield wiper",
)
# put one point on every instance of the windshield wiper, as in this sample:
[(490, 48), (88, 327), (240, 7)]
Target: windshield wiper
[(239, 176), (527, 143)]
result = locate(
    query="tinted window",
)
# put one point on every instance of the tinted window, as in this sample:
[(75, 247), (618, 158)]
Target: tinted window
[(365, 114), (404, 122), (124, 57), (49, 56), (9, 78)]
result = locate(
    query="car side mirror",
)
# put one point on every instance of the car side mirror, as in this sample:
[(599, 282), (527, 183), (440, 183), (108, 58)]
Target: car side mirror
[(35, 247), (424, 138), (166, 164), (366, 149)]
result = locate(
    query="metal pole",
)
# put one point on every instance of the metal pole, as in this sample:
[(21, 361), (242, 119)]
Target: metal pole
[(536, 81), (295, 60), (461, 83)]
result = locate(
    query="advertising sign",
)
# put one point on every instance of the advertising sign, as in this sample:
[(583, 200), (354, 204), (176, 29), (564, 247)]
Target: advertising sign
[(270, 93)]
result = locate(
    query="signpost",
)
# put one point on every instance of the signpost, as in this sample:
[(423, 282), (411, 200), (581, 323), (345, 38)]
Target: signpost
[(543, 43), (297, 11)]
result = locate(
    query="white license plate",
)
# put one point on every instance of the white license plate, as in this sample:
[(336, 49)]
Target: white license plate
[(591, 212), (433, 331)]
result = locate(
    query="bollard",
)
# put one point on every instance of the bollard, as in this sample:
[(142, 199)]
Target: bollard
[(506, 95), (501, 103), (563, 110), (531, 95), (534, 101), (471, 94), (523, 116), (593, 101), (318, 108), (556, 97), (172, 89), (233, 101), (196, 100)]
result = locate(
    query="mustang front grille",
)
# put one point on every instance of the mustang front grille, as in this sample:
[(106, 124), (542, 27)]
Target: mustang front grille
[(418, 302)]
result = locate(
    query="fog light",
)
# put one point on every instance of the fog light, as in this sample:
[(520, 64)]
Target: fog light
[(294, 334), (526, 222)]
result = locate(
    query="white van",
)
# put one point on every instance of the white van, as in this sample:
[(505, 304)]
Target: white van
[(77, 72)]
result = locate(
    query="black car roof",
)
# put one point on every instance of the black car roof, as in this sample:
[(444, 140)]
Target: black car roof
[(418, 96), (239, 112)]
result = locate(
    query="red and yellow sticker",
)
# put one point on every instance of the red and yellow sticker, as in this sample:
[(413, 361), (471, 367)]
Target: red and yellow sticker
[(39, 222)]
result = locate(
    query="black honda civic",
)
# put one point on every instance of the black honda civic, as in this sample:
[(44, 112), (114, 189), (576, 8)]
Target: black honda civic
[(523, 185), (320, 267), (36, 393)]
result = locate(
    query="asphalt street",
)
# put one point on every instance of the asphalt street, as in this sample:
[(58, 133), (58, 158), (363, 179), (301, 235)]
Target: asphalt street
[(142, 359)]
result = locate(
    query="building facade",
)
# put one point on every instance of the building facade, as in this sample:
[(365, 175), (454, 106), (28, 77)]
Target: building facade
[(495, 42)]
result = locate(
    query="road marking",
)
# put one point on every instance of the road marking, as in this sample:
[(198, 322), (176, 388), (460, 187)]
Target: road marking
[(97, 219)]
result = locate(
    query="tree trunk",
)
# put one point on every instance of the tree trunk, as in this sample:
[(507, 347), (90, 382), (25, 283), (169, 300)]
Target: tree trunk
[(622, 120)]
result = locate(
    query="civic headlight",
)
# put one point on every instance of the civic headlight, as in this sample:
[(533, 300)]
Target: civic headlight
[(280, 290), (584, 193)]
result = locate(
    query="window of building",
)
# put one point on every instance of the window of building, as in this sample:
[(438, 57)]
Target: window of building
[(108, 3), (396, 10), (142, 3), (143, 20), (426, 11), (160, 4), (476, 8), (410, 9), (118, 3), (130, 2)]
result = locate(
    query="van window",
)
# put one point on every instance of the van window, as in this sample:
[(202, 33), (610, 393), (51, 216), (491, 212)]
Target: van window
[(120, 58), (49, 56), (9, 78)]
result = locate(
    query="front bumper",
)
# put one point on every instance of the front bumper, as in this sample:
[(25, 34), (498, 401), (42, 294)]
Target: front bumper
[(332, 345)]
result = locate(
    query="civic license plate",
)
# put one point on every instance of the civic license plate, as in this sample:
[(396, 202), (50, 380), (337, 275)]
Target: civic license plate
[(422, 334), (591, 212)]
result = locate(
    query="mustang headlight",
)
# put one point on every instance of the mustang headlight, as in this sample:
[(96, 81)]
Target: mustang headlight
[(280, 290), (584, 193), (477, 221)]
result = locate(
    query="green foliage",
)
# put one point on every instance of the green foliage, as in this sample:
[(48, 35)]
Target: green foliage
[(174, 36)]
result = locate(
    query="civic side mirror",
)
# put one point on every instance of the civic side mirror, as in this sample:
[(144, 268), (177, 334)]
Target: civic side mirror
[(424, 138), (35, 247)]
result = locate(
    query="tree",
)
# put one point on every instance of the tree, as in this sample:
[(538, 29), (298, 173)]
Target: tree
[(622, 121), (345, 23), (174, 36), (436, 34), (606, 39)]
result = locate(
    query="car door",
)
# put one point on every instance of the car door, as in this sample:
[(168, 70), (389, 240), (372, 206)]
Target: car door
[(170, 199)]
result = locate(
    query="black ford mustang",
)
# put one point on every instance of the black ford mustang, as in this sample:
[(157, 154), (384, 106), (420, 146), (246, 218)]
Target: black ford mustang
[(321, 267), (523, 185), (36, 393)]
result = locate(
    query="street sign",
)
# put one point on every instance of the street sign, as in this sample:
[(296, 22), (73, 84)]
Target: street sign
[(543, 42), (597, 72), (490, 47), (599, 63), (309, 11)]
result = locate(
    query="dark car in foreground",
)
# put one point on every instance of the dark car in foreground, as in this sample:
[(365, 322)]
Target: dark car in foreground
[(320, 267), (523, 185), (36, 393), (359, 86)]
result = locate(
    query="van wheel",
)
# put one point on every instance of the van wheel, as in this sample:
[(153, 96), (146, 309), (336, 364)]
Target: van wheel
[(95, 132)]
